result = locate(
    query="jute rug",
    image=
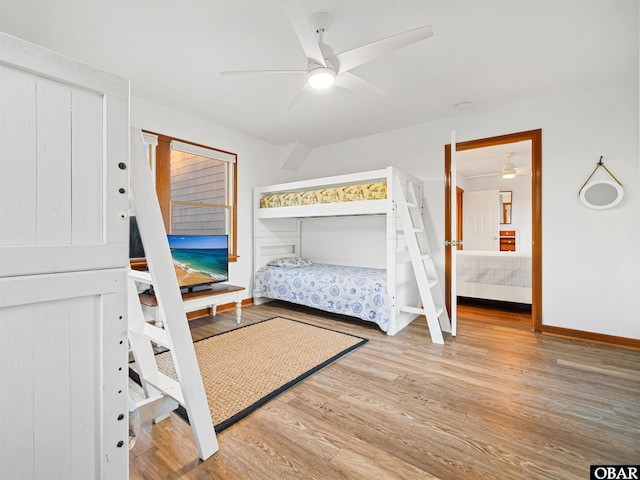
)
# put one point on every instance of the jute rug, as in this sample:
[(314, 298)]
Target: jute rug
[(245, 368)]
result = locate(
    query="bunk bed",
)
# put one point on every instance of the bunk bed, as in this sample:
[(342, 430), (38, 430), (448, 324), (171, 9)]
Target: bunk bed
[(502, 276), (280, 272)]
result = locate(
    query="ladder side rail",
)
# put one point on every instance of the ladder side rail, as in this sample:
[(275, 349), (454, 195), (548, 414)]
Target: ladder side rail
[(437, 294), (154, 239)]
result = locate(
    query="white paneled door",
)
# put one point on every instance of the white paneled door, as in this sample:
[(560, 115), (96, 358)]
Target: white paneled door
[(63, 266), (481, 220)]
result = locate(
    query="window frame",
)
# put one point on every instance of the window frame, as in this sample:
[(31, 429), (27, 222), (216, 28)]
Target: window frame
[(163, 185)]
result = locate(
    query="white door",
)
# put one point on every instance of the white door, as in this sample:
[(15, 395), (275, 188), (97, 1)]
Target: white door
[(481, 222), (454, 233), (63, 258)]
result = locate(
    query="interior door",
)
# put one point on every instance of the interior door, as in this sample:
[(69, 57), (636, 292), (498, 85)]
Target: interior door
[(453, 313), (482, 220)]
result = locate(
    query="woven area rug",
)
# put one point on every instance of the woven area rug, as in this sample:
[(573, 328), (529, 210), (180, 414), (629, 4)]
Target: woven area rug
[(245, 368)]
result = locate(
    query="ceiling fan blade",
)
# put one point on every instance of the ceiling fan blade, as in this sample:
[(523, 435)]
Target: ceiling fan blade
[(302, 93), (252, 72), (353, 82), (304, 31), (361, 55), (482, 175)]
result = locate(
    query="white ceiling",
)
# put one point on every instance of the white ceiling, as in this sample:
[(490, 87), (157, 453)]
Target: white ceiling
[(483, 52), (482, 161)]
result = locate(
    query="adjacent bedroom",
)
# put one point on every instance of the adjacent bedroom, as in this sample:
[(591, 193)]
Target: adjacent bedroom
[(494, 221)]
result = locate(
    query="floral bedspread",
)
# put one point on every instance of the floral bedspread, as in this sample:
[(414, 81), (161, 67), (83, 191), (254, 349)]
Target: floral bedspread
[(354, 291), (351, 193)]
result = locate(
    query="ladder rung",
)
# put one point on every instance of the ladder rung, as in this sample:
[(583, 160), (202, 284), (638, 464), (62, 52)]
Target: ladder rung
[(412, 205), (418, 230), (421, 311), (433, 282), (157, 335), (154, 407), (140, 276), (166, 385)]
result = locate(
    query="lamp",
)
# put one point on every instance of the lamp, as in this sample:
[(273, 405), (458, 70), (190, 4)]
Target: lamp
[(509, 170), (321, 78)]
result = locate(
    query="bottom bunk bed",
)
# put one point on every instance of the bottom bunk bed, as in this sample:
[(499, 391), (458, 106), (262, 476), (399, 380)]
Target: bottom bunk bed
[(354, 291), (381, 285), (502, 276)]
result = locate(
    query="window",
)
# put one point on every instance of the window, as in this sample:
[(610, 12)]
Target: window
[(196, 187)]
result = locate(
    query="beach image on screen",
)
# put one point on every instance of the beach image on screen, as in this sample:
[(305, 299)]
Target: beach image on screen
[(199, 259)]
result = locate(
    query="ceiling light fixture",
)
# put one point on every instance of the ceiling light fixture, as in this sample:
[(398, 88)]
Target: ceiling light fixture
[(509, 170), (321, 78)]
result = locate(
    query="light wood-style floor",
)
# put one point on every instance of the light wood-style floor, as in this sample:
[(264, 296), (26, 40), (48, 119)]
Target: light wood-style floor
[(495, 402)]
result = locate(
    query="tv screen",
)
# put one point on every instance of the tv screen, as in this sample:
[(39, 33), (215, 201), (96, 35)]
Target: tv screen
[(136, 250), (200, 259)]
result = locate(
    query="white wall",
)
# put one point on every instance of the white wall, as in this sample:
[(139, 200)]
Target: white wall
[(258, 164), (590, 258)]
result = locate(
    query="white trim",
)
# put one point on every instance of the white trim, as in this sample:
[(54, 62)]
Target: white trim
[(202, 151), (150, 139)]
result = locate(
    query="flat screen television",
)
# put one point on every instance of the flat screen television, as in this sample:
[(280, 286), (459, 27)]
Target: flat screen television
[(136, 250), (200, 259)]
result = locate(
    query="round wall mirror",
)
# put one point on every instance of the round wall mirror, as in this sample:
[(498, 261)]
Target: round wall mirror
[(601, 194)]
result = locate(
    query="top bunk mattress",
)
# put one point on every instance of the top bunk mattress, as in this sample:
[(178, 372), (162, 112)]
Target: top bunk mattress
[(347, 193)]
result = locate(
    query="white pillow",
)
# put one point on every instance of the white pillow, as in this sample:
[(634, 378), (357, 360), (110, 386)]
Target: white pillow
[(290, 262)]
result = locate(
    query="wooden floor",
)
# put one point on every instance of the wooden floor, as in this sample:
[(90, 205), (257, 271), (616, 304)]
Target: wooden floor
[(497, 401)]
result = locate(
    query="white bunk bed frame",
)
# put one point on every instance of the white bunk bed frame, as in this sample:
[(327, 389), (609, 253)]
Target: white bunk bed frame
[(277, 232)]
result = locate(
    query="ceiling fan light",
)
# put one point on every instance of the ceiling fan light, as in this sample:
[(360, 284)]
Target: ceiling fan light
[(508, 171), (321, 78)]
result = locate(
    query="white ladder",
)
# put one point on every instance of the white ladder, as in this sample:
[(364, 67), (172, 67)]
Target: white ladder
[(431, 293), (163, 393)]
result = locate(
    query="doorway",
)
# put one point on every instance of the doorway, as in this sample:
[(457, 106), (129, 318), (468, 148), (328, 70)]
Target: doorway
[(535, 137)]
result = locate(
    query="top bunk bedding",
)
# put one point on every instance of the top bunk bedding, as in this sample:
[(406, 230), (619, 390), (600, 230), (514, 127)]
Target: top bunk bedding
[(363, 193), (346, 193)]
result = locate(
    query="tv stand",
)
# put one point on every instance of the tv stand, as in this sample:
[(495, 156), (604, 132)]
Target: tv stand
[(218, 294)]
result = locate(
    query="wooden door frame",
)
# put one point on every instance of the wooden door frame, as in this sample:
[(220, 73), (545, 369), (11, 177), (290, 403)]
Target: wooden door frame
[(535, 136)]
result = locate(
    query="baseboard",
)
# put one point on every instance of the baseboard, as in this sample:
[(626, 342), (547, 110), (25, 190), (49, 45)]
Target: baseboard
[(591, 336)]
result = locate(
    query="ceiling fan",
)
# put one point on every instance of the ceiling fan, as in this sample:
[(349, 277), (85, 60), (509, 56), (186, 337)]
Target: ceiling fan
[(324, 67), (508, 171)]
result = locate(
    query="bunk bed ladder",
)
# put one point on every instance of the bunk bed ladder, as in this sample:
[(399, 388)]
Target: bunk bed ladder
[(431, 293), (162, 392)]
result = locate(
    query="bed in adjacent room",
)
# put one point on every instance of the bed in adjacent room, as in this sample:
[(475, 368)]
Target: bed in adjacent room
[(503, 276)]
